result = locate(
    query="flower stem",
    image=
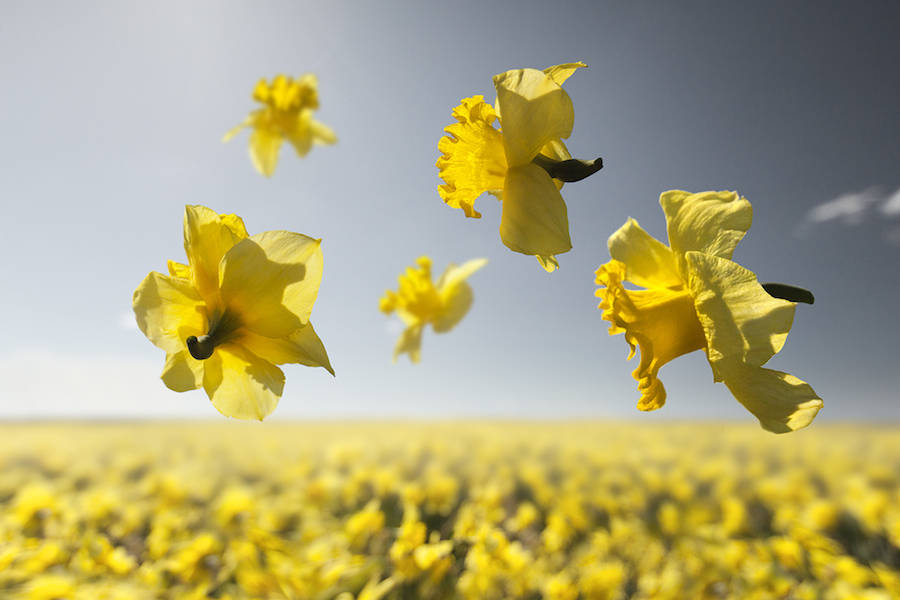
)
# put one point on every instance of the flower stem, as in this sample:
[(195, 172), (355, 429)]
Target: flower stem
[(570, 170), (789, 292)]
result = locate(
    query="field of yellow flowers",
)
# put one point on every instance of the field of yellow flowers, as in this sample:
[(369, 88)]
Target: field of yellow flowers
[(452, 510)]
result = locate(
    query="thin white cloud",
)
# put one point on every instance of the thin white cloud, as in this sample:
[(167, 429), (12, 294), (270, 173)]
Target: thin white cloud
[(850, 209), (42, 383), (854, 208), (891, 206)]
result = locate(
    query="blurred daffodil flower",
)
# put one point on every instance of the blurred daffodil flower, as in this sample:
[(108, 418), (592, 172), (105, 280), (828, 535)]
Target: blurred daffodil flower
[(239, 307), (418, 301), (524, 163), (694, 298), (286, 115)]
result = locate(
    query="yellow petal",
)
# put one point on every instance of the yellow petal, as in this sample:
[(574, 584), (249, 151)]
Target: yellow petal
[(240, 384), (264, 147), (207, 237), (182, 372), (780, 401), (302, 347), (177, 269), (410, 342), (456, 295), (270, 281), (708, 222), (235, 130), (168, 311), (322, 134), (534, 218), (662, 322), (472, 157), (300, 134), (740, 320), (648, 262), (549, 263), (559, 73), (534, 110)]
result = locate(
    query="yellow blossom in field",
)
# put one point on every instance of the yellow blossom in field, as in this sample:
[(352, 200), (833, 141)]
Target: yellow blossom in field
[(239, 307), (694, 298), (535, 113), (288, 106), (419, 301)]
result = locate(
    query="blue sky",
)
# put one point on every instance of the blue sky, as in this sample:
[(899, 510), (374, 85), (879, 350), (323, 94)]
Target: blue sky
[(112, 116)]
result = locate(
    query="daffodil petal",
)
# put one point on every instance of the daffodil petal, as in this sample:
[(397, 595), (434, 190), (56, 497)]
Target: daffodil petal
[(534, 110), (322, 134), (708, 222), (559, 73), (207, 237), (270, 281), (234, 131), (177, 269), (410, 342), (301, 347), (649, 262), (168, 310), (454, 274), (741, 322), (264, 147), (240, 384), (780, 401), (182, 372), (456, 294), (534, 218)]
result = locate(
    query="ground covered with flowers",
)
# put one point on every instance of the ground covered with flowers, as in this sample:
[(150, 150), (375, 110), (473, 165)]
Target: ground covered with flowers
[(459, 510)]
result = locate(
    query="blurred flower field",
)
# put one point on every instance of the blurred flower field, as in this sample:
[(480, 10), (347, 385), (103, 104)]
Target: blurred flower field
[(455, 510)]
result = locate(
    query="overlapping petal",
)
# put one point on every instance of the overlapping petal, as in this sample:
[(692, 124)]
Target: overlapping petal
[(534, 219), (271, 281), (265, 145), (740, 320), (649, 262), (207, 237), (410, 343), (182, 372), (168, 310), (708, 222), (301, 347), (534, 110), (240, 384), (781, 401)]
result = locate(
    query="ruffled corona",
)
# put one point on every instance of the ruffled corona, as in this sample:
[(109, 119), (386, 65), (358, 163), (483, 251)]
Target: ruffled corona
[(661, 322), (472, 159)]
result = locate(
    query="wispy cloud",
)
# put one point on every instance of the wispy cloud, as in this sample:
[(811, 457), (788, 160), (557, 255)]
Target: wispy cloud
[(43, 383), (854, 208)]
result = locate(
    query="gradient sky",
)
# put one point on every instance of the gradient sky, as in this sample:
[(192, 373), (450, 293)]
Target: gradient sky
[(112, 114)]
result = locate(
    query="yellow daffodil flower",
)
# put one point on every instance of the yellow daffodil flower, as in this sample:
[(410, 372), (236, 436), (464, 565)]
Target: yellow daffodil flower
[(694, 298), (239, 307), (286, 115), (523, 164), (418, 301)]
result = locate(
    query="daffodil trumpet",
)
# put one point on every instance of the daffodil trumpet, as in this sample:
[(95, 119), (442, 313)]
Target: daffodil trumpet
[(568, 171), (791, 293)]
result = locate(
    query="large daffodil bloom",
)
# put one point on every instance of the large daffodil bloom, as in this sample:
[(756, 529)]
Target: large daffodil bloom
[(288, 105), (239, 307), (535, 114), (694, 297), (418, 301)]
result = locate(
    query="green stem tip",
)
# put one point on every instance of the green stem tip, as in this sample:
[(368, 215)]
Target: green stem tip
[(200, 348), (571, 170), (789, 292)]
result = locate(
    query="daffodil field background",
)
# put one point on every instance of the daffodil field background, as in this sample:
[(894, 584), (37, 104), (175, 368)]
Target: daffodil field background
[(478, 511)]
